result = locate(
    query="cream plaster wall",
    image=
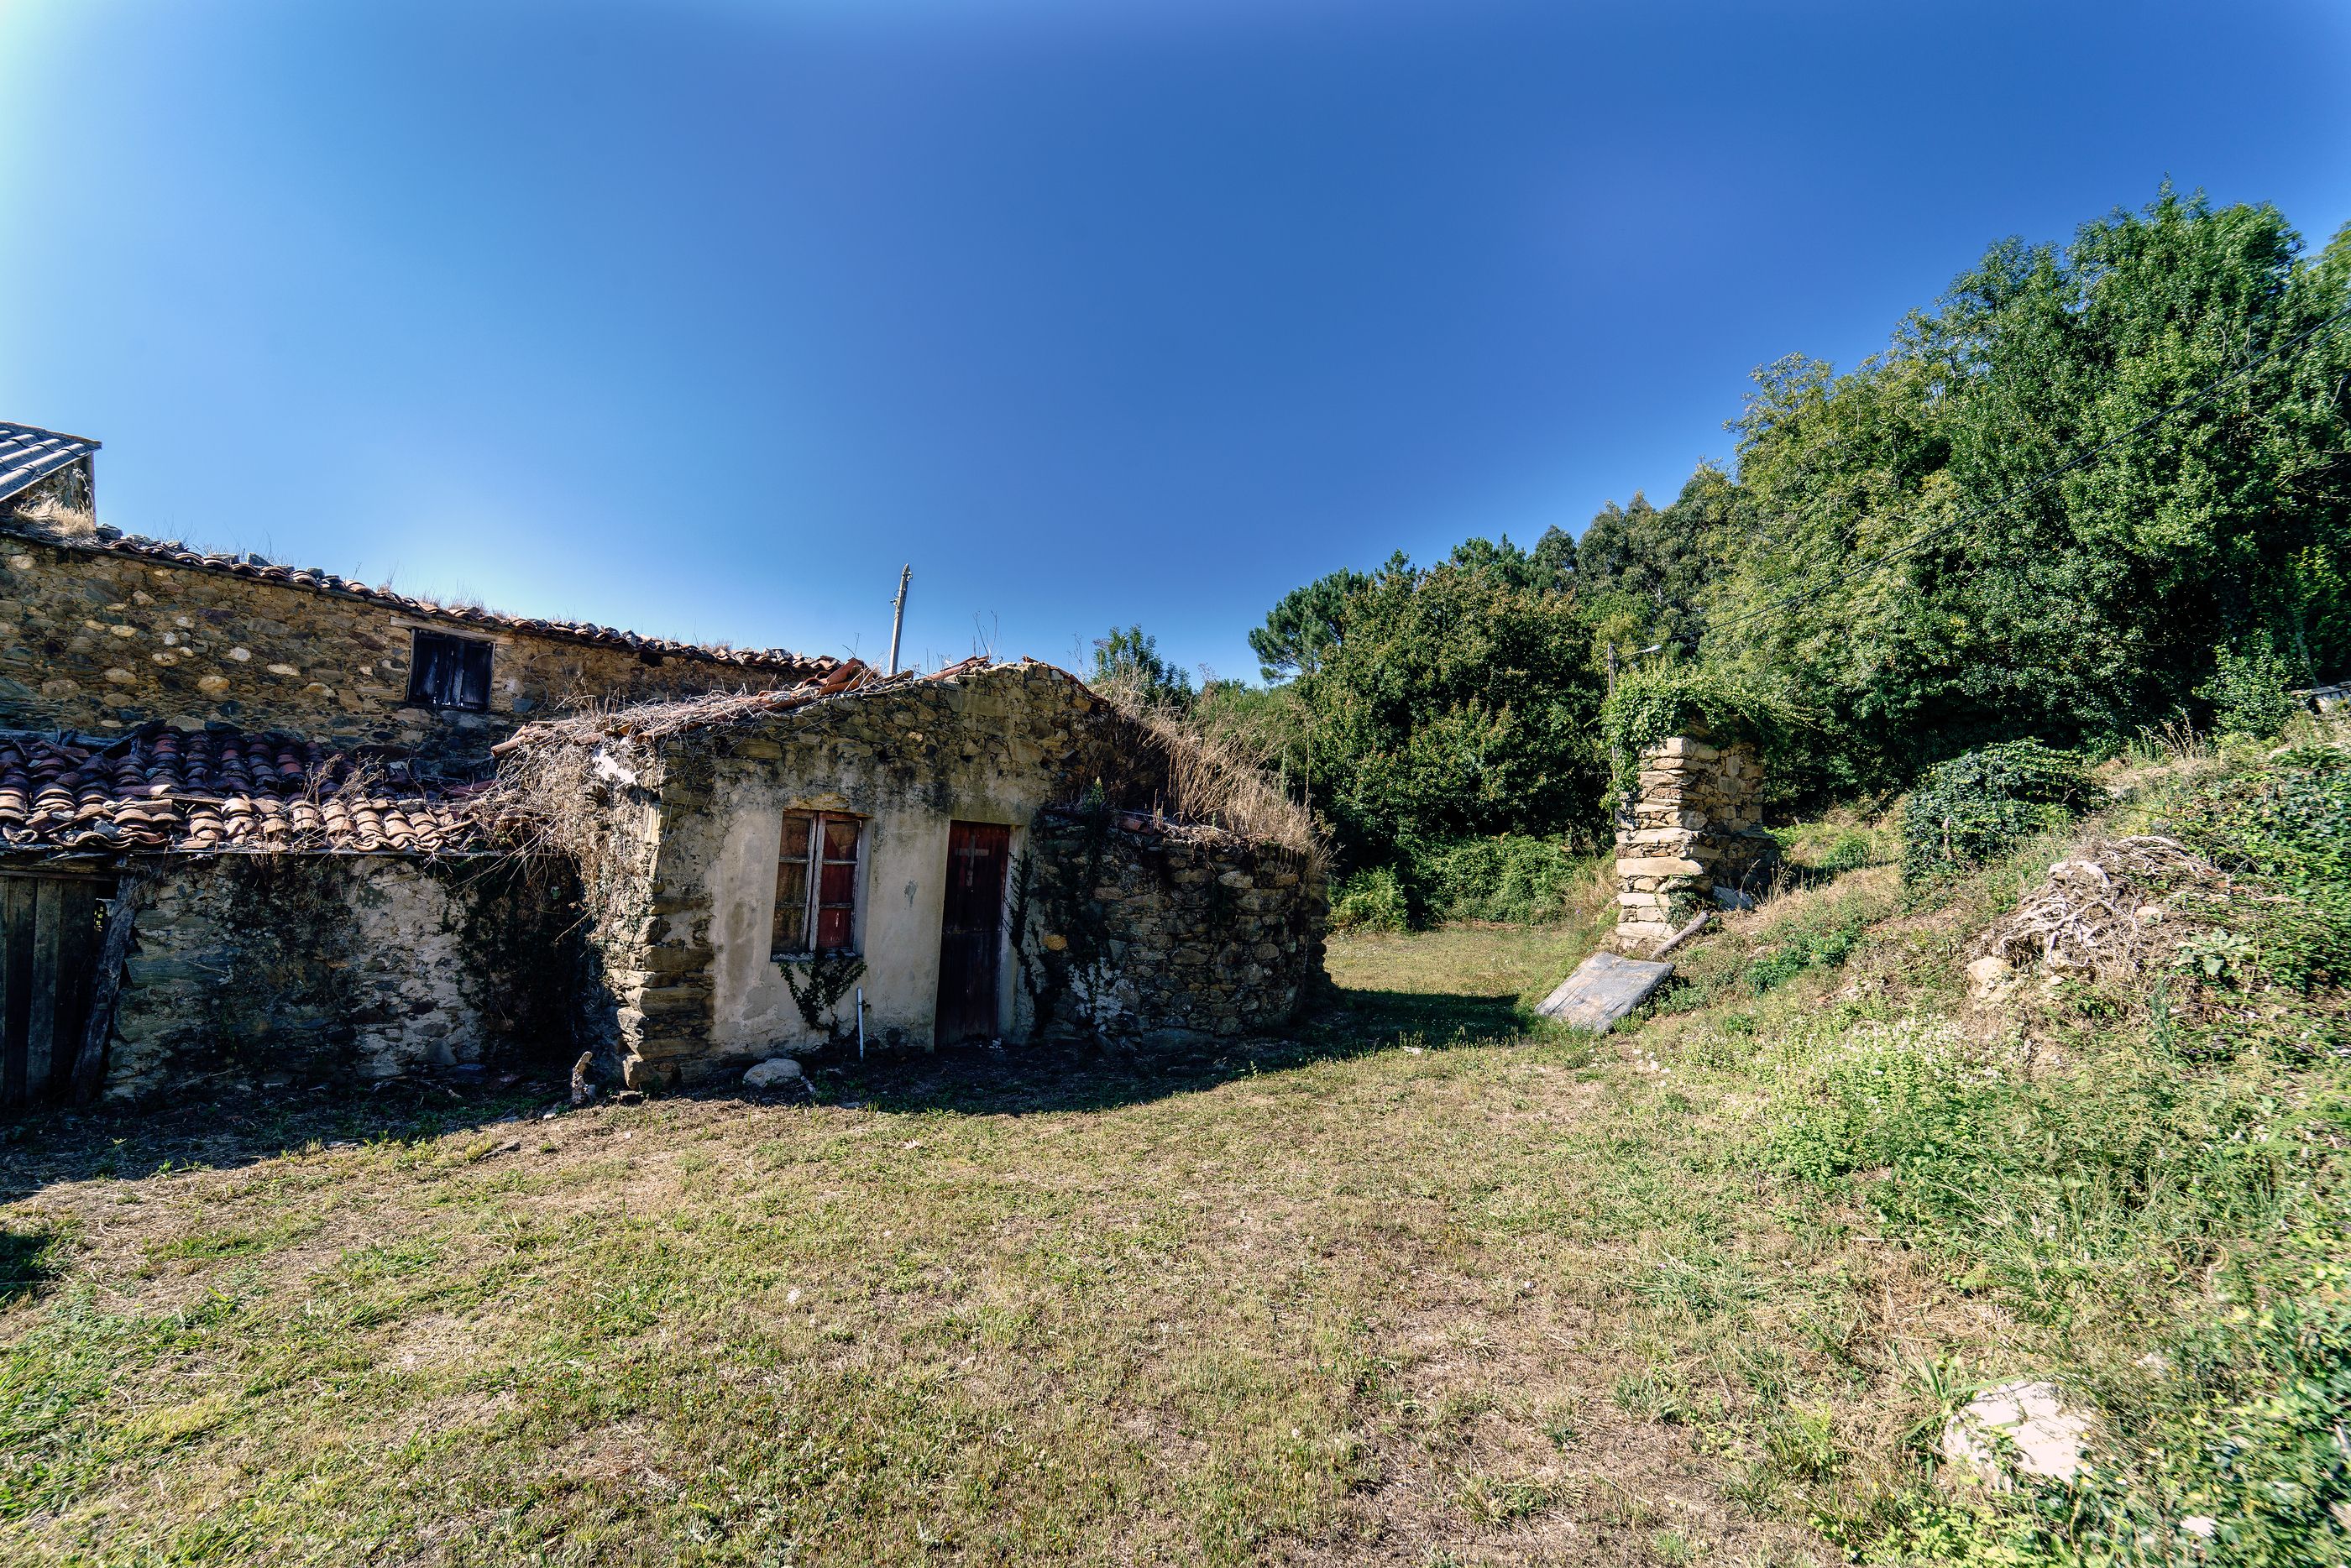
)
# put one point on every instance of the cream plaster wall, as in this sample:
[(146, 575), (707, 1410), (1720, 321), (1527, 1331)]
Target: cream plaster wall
[(901, 890)]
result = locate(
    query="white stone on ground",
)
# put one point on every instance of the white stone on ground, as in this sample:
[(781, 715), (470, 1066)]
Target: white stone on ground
[(775, 1070), (2047, 1433)]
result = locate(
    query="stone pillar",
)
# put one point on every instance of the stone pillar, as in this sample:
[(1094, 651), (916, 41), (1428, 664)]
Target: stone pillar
[(1694, 823)]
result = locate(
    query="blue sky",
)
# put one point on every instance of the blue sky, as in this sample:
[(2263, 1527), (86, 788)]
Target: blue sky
[(702, 318)]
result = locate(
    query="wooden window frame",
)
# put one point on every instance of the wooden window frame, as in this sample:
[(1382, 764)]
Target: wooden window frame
[(809, 864), (461, 649)]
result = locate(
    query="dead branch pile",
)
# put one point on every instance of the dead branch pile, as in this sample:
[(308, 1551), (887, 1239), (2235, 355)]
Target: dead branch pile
[(2118, 907)]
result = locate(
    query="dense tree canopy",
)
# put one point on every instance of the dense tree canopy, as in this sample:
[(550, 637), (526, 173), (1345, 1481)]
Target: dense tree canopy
[(1901, 556), (1460, 702), (2092, 487), (1642, 573)]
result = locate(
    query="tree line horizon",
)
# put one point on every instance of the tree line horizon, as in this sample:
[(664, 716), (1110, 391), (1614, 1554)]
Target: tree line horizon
[(2074, 492)]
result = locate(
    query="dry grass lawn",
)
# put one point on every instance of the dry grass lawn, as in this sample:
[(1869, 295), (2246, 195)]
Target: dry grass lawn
[(1411, 1288)]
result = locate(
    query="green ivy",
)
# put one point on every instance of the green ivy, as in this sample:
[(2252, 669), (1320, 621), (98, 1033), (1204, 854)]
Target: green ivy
[(1984, 803), (1650, 706)]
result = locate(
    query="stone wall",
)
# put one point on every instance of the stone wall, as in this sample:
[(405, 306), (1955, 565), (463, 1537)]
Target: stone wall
[(1694, 825), (1166, 936), (1204, 933), (93, 639), (252, 970)]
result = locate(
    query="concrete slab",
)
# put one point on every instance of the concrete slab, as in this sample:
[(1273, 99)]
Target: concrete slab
[(1603, 989)]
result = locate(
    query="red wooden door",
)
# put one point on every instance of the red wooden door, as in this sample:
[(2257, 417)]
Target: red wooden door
[(971, 934)]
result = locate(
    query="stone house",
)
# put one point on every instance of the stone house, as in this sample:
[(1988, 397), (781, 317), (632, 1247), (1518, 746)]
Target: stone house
[(965, 855), (105, 631), (252, 829)]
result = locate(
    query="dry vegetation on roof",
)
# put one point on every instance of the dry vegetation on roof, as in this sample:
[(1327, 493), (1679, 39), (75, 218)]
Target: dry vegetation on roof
[(48, 515), (1219, 779), (1212, 781)]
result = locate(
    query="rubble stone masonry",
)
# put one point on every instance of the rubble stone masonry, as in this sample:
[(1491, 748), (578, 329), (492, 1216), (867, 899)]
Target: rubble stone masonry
[(1203, 934), (1694, 825), (264, 970), (94, 640)]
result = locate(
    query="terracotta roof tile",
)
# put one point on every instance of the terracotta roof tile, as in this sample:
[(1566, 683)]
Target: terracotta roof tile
[(221, 790), (29, 454)]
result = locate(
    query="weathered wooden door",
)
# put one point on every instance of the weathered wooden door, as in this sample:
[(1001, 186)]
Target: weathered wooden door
[(48, 938), (971, 936)]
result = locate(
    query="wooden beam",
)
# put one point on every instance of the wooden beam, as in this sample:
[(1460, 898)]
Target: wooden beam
[(16, 981)]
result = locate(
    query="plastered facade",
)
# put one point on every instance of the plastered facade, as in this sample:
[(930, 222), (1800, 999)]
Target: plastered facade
[(682, 903)]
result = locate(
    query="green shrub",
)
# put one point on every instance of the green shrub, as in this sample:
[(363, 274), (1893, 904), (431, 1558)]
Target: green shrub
[(2287, 824), (2248, 690), (1851, 852), (1806, 949), (1510, 876), (1372, 900), (1982, 804)]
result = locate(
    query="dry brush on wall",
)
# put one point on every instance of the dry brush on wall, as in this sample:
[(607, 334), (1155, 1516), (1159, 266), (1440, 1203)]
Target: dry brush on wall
[(1197, 777)]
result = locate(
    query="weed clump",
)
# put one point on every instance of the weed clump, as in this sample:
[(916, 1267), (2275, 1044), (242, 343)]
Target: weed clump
[(1372, 900)]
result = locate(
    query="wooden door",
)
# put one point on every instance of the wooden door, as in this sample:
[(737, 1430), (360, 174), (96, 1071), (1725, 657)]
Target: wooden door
[(971, 934), (48, 940)]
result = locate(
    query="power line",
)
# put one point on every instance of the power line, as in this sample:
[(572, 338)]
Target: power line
[(2045, 479)]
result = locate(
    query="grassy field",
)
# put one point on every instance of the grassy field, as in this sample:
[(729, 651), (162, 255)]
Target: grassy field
[(1412, 1287)]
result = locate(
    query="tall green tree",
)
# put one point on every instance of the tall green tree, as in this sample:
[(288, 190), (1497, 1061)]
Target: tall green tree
[(1894, 550), (1128, 662), (1643, 572), (1461, 701), (1309, 622)]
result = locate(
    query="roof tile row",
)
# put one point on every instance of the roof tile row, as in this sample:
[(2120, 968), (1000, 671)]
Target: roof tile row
[(160, 789)]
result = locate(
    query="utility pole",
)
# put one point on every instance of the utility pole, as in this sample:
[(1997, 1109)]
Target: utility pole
[(898, 614)]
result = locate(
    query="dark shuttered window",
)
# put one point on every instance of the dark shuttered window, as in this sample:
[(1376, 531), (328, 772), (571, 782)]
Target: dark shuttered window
[(449, 672)]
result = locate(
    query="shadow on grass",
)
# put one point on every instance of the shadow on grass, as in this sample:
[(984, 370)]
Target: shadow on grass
[(232, 1131), (1027, 1079), (28, 1263), (228, 1131)]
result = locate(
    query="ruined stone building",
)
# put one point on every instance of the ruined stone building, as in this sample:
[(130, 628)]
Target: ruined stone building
[(252, 830)]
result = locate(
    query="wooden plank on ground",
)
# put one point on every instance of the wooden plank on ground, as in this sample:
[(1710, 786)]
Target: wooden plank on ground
[(1602, 990)]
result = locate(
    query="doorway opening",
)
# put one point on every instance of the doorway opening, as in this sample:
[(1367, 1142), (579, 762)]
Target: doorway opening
[(971, 933)]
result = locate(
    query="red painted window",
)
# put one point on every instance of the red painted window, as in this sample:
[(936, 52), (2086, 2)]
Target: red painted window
[(816, 882)]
